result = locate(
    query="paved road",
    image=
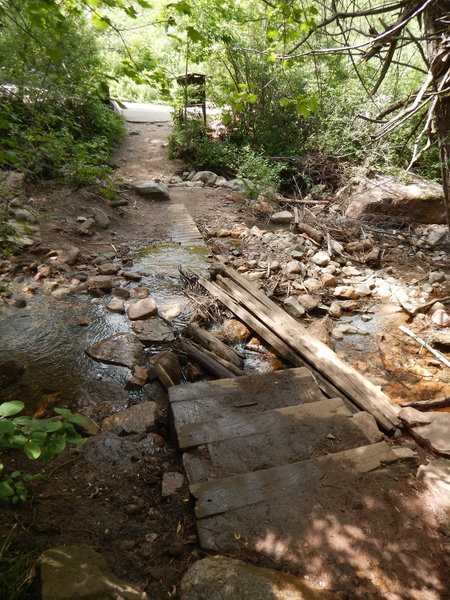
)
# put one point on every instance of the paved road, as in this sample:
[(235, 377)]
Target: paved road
[(137, 112)]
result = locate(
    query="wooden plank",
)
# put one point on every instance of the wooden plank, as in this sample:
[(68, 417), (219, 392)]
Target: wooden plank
[(216, 497), (208, 341), (270, 337), (207, 360), (344, 377), (233, 426)]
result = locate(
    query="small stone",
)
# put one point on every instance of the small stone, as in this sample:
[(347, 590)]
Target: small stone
[(18, 303), (346, 291), (335, 310), (170, 312), (100, 217), (49, 286), (81, 321), (263, 207), (283, 217), (366, 422), (321, 259), (293, 307), (328, 280), (108, 269), (308, 302), (171, 482), (116, 305), (121, 293), (87, 227), (235, 331), (71, 255), (132, 276), (100, 282), (207, 177), (312, 284), (293, 267), (142, 309), (61, 292), (141, 418), (152, 190), (138, 378), (441, 318)]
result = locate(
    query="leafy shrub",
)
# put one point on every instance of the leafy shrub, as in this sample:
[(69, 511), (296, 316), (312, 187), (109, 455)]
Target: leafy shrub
[(38, 438)]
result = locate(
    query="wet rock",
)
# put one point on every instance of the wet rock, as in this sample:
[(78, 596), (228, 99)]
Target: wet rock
[(422, 200), (153, 331), (142, 309), (283, 217), (319, 330), (141, 418), (140, 292), (100, 282), (436, 476), (118, 349), (132, 276), (207, 177), (49, 286), (308, 302), (108, 269), (121, 293), (61, 292), (116, 305), (170, 312), (100, 217), (293, 307), (18, 303), (87, 227), (139, 376), (152, 190), (100, 399), (10, 370), (171, 483), (81, 321), (193, 372), (432, 428), (235, 331), (321, 259), (111, 449), (441, 317), (223, 578), (71, 255), (169, 361), (80, 573), (156, 391), (346, 291)]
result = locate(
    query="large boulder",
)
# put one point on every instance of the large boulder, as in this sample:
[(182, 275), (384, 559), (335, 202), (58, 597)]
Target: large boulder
[(420, 200), (80, 573), (140, 418), (223, 578), (153, 331), (432, 428), (119, 349), (152, 190)]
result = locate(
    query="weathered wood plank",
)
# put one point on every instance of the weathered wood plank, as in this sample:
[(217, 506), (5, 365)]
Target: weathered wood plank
[(208, 341), (233, 426), (208, 361), (343, 376), (216, 497)]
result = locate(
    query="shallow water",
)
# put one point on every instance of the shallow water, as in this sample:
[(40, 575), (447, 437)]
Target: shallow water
[(44, 338)]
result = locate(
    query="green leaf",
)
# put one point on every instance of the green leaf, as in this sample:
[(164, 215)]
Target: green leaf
[(271, 57), (100, 22), (194, 35), (32, 450), (252, 98), (286, 101), (6, 491), (64, 412), (272, 34), (11, 408), (6, 427), (182, 8)]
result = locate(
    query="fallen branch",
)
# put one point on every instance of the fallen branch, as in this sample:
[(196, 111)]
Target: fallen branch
[(423, 343), (426, 404)]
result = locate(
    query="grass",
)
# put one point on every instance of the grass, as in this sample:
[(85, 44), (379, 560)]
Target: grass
[(14, 571)]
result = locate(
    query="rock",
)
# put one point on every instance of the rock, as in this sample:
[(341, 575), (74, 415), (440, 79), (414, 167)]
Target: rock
[(312, 284), (157, 392), (100, 217), (117, 203), (441, 317), (141, 418), (49, 286), (81, 321), (171, 312), (100, 282), (319, 330), (142, 309), (87, 227), (118, 349), (432, 428), (152, 190), (100, 399), (71, 255), (283, 217), (121, 293), (18, 303), (242, 186), (321, 259), (235, 331), (223, 578), (263, 207), (436, 476), (335, 310), (308, 302), (22, 214), (293, 307), (14, 181), (139, 376), (168, 360), (10, 370), (438, 238), (171, 483), (328, 280), (175, 179), (346, 291), (116, 305), (108, 269), (294, 267), (422, 200), (132, 276), (61, 292), (153, 331), (107, 448), (140, 292), (237, 197), (220, 181), (80, 573), (207, 177), (368, 425)]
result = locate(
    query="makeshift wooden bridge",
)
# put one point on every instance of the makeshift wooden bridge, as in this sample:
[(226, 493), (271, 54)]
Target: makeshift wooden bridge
[(257, 446)]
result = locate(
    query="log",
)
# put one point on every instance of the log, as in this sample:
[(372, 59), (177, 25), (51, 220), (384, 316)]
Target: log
[(314, 234), (429, 404), (354, 385), (207, 360), (208, 341), (427, 305), (158, 371)]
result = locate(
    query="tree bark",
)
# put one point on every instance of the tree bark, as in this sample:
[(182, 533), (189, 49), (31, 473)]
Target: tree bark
[(436, 22)]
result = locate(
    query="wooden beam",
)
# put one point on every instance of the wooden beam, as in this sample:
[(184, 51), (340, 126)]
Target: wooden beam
[(207, 360)]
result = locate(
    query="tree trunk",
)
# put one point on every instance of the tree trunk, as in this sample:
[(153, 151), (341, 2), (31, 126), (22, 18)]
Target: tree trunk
[(437, 27)]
